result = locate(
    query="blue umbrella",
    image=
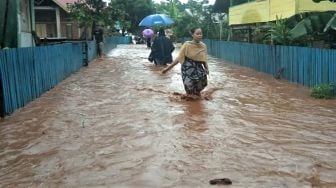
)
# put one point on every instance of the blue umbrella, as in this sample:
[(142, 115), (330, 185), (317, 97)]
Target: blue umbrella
[(156, 19)]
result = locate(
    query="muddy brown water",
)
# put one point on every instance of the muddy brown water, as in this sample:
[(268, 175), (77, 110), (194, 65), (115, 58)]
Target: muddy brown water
[(117, 124)]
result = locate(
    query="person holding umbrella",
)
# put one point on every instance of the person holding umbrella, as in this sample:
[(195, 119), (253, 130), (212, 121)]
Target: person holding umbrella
[(154, 20), (162, 48), (148, 34)]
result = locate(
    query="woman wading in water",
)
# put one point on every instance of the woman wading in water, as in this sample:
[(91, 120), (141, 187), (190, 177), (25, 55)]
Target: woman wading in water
[(194, 68)]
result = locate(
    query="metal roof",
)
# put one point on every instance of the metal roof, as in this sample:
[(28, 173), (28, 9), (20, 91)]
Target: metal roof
[(63, 3)]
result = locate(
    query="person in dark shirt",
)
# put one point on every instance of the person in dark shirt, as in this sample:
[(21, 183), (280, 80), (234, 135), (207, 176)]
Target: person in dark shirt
[(98, 35), (148, 35), (161, 50)]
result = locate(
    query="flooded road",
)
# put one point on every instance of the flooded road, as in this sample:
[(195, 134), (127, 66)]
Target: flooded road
[(117, 124)]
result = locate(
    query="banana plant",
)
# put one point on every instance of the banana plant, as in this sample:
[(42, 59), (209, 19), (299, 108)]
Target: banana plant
[(279, 32)]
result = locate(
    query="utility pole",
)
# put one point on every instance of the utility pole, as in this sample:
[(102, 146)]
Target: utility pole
[(219, 18)]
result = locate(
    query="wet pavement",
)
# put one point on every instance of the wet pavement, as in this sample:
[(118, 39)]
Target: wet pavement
[(117, 124)]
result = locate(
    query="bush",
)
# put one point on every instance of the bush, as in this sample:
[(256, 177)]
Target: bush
[(324, 91)]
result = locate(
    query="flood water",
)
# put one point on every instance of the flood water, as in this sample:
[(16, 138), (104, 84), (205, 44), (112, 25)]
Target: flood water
[(116, 123)]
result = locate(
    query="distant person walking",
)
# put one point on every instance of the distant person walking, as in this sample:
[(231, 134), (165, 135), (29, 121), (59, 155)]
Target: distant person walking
[(99, 37), (161, 50), (169, 33), (148, 35), (194, 68)]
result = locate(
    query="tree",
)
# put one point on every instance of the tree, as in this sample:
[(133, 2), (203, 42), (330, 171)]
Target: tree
[(199, 15), (134, 11), (172, 8), (192, 14), (87, 13), (279, 32), (175, 10), (221, 6)]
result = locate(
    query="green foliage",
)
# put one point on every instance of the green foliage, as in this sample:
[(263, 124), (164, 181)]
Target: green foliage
[(172, 8), (176, 10), (200, 17), (86, 11), (112, 14), (129, 13), (89, 13), (133, 12), (259, 34), (189, 15), (279, 32), (305, 29), (324, 91)]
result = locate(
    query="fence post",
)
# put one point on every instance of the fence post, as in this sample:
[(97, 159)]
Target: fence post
[(86, 55), (2, 102)]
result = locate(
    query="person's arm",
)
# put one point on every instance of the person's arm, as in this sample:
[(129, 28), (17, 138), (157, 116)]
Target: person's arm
[(205, 64), (175, 62), (206, 67)]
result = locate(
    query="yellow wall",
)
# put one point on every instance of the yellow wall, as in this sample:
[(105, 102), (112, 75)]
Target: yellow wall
[(281, 8), (308, 5), (268, 10), (249, 13)]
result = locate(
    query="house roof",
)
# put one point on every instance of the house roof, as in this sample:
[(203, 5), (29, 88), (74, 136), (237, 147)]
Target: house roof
[(63, 3)]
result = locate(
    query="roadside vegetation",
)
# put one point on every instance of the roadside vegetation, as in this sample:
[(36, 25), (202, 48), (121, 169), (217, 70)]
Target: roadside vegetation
[(121, 17), (324, 91)]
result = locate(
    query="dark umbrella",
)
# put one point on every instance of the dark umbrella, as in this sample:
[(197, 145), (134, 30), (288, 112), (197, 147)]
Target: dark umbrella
[(156, 19)]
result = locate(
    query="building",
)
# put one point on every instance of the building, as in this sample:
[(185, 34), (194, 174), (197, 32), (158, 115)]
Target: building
[(257, 11), (16, 23), (53, 20), (310, 23)]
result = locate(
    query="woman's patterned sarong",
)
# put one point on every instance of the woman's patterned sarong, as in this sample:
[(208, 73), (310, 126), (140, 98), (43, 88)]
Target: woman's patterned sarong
[(194, 77)]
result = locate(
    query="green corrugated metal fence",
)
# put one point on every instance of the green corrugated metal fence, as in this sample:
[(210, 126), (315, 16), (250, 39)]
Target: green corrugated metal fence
[(26, 73), (306, 66), (112, 42)]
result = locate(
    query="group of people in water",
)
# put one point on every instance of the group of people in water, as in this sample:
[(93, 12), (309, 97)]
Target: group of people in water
[(192, 57)]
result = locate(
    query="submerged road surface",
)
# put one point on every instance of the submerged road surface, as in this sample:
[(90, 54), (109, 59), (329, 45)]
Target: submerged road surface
[(116, 123)]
